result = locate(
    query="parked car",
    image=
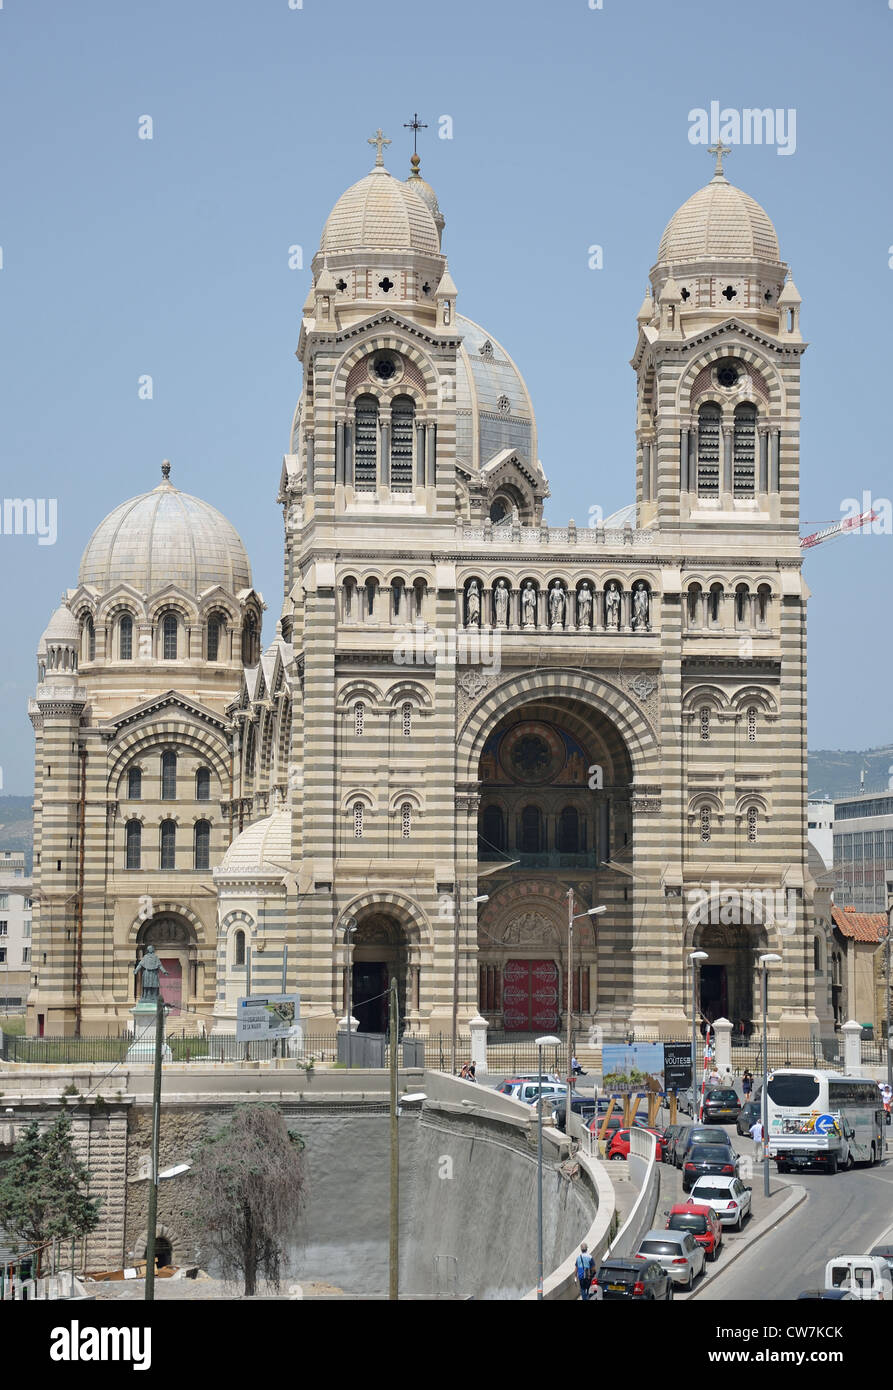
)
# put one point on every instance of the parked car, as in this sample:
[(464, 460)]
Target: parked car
[(529, 1091), (700, 1134), (729, 1197), (866, 1277), (615, 1122), (707, 1160), (672, 1134), (701, 1221), (618, 1278), (618, 1145), (838, 1294), (512, 1084), (747, 1116), (685, 1101), (580, 1105), (677, 1251), (721, 1103)]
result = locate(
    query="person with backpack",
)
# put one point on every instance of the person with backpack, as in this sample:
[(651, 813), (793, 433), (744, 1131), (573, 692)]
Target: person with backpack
[(585, 1271)]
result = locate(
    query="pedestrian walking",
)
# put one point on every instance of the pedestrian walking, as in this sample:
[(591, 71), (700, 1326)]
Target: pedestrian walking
[(470, 1074), (747, 1084), (576, 1068), (585, 1271), (756, 1134)]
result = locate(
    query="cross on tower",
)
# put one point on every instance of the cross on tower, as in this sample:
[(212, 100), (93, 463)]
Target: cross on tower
[(378, 139), (415, 125), (719, 149)]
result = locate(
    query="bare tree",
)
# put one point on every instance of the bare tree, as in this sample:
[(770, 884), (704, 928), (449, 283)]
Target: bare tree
[(249, 1192)]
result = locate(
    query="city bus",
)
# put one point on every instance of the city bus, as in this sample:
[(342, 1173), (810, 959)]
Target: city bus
[(822, 1119)]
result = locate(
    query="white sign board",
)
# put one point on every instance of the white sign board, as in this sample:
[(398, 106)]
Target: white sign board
[(267, 1016)]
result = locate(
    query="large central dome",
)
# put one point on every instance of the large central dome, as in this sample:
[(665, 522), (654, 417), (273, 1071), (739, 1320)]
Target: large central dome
[(722, 221), (381, 213), (166, 537)]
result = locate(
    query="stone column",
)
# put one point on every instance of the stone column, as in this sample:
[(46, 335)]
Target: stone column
[(852, 1047), (723, 1030), (348, 455), (384, 473), (310, 463), (684, 483), (420, 454), (646, 472), (725, 486), (693, 456), (477, 1027), (763, 484), (774, 439), (431, 439), (339, 452)]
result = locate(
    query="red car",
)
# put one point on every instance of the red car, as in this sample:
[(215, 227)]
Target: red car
[(701, 1221), (618, 1145)]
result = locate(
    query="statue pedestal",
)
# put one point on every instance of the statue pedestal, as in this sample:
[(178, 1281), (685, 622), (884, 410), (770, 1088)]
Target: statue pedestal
[(142, 1049)]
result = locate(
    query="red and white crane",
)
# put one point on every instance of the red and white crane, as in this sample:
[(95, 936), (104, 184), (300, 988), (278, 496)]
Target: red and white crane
[(838, 528)]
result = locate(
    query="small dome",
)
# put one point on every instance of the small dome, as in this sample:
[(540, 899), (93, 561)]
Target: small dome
[(381, 213), (264, 848), (493, 406), (165, 537), (722, 221), (63, 627), (425, 192)]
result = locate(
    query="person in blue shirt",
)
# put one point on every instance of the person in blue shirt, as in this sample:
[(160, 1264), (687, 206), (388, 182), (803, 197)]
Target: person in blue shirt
[(585, 1271)]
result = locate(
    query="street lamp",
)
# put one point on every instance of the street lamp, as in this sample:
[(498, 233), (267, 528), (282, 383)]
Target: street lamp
[(888, 983), (764, 962), (457, 927), (571, 919), (547, 1041), (349, 929), (694, 960)]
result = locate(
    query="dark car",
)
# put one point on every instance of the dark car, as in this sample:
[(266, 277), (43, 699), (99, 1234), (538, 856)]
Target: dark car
[(707, 1161), (747, 1115), (721, 1103), (672, 1134), (699, 1134), (584, 1106), (632, 1279), (837, 1294)]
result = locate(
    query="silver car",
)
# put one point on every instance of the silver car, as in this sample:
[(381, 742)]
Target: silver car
[(677, 1251)]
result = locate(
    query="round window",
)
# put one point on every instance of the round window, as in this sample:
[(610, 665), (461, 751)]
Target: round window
[(728, 375)]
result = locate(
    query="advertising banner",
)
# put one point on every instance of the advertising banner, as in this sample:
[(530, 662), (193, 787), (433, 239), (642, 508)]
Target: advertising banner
[(267, 1016)]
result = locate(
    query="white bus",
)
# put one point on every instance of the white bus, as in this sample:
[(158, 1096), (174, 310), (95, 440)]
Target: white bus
[(824, 1120)]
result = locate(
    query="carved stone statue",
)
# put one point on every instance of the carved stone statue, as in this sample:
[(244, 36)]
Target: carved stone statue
[(501, 603), (473, 605), (584, 606), (556, 604), (151, 967), (528, 604), (612, 607), (641, 622)]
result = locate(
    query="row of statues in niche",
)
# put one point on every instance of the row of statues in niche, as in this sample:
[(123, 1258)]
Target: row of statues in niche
[(557, 605)]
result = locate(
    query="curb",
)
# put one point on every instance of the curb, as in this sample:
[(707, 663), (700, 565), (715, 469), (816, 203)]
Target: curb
[(796, 1195)]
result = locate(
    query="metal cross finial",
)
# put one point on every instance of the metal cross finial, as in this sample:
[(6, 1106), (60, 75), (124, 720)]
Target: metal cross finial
[(378, 139), (415, 125), (719, 149)]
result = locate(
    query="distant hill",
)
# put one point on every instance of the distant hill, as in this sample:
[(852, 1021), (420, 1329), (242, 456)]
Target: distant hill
[(16, 826), (837, 772)]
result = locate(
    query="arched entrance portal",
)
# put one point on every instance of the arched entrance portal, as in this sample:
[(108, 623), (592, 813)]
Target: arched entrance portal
[(380, 953), (555, 778), (727, 980), (175, 941)]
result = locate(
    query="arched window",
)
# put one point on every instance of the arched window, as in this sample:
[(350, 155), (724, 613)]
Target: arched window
[(125, 638), (358, 820), (406, 712), (250, 750), (201, 845), (708, 449), (203, 784), (365, 447), (816, 954), (531, 830), (168, 776), (134, 784), (349, 600), (752, 825), (238, 948), (694, 605), (398, 592), (742, 605), (763, 596), (499, 510), (406, 820), (713, 602), (492, 832), (359, 718), (569, 830), (371, 593), (752, 725), (215, 632), (250, 641), (402, 434), (744, 450), (88, 640), (419, 586), (168, 844), (705, 825), (169, 637), (705, 722), (134, 834)]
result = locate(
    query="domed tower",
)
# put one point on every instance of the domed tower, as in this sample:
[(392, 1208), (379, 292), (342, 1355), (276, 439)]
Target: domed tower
[(718, 364), (135, 799)]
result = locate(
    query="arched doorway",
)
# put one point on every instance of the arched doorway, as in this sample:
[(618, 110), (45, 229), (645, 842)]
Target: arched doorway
[(174, 940), (727, 980), (380, 953)]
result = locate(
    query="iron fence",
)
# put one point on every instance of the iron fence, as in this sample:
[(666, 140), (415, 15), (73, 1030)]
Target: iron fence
[(184, 1048)]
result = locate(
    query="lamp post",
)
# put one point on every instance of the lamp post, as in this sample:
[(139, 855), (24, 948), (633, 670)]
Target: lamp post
[(571, 919), (349, 930), (457, 927), (547, 1041), (694, 959), (888, 983), (764, 962)]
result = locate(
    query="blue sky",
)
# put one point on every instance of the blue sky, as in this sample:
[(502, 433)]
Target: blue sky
[(570, 127)]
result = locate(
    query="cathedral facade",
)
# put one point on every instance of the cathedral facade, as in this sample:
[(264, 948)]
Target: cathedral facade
[(469, 724)]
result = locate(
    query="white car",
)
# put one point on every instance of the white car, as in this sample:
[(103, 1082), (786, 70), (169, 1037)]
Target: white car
[(677, 1251), (730, 1198), (529, 1091), (861, 1276)]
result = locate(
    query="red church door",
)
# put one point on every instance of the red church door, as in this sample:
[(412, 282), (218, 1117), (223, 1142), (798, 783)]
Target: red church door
[(172, 984), (530, 996)]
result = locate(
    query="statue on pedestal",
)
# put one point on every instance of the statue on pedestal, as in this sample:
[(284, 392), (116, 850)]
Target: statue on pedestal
[(612, 607), (556, 604), (151, 967), (473, 605), (501, 602), (584, 606), (528, 604), (640, 608)]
